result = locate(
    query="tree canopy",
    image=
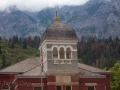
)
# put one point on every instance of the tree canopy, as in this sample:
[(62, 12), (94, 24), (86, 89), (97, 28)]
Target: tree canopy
[(115, 76)]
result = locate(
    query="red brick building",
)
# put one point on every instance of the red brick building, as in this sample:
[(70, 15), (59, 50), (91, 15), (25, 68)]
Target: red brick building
[(60, 69)]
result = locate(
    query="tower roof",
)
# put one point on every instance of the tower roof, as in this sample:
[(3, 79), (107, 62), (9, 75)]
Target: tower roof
[(59, 31)]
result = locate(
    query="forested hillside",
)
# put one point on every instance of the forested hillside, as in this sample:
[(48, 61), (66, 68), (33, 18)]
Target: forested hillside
[(16, 49), (102, 53)]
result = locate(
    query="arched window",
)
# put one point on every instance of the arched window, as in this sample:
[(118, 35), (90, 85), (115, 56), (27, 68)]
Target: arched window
[(55, 53), (5, 87), (62, 56), (68, 53)]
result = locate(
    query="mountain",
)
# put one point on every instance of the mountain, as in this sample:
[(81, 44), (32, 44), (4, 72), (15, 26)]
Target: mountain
[(99, 18)]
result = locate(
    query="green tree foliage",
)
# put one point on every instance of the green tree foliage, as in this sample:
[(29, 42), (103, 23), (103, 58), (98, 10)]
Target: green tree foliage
[(100, 53), (11, 51), (36, 42), (4, 64), (115, 76), (15, 39), (80, 60), (24, 44), (0, 50)]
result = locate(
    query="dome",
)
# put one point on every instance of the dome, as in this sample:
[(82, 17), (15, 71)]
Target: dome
[(59, 31)]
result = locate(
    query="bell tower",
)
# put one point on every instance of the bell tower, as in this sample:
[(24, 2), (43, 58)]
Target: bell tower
[(59, 48)]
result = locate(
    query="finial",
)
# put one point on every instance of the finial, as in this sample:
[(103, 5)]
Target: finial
[(56, 17)]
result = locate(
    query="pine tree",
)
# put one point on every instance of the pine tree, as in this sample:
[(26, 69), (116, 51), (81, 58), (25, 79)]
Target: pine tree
[(0, 50), (12, 44), (3, 61), (24, 44)]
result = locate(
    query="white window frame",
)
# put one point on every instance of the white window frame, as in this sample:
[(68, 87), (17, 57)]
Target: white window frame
[(90, 84)]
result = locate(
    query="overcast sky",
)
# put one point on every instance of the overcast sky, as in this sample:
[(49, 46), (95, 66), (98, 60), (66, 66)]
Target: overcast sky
[(36, 5)]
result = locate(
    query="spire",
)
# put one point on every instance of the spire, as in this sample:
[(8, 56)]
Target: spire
[(56, 17)]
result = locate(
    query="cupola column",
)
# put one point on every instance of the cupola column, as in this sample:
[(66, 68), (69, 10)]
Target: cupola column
[(65, 55), (58, 54)]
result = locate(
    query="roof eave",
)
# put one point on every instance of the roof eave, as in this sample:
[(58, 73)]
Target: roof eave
[(102, 76), (11, 72)]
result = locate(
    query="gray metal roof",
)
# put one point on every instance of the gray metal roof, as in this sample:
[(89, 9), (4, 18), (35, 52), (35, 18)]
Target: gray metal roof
[(22, 66), (35, 72), (86, 73), (59, 31), (90, 71), (90, 68), (31, 68)]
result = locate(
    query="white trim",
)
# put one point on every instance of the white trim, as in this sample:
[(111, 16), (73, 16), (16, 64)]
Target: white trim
[(68, 46), (93, 76), (54, 47), (72, 42), (69, 61), (90, 84), (62, 46), (105, 72), (66, 59), (27, 77), (39, 86), (31, 77)]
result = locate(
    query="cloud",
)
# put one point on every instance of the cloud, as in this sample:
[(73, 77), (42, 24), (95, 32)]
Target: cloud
[(36, 5)]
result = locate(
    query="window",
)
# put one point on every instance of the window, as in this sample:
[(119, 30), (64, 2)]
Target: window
[(68, 53), (5, 87), (58, 88), (37, 88), (55, 53), (62, 53), (68, 87), (90, 87)]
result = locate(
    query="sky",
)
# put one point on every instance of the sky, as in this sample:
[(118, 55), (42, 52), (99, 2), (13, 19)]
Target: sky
[(37, 5)]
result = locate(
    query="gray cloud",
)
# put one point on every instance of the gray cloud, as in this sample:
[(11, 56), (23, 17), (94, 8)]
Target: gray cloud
[(36, 5)]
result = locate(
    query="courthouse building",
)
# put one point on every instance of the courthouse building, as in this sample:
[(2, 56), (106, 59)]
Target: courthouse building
[(60, 69)]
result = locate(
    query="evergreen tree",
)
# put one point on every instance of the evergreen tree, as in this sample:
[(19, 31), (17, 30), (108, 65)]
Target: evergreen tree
[(24, 44), (36, 42), (0, 50), (3, 61), (12, 44), (20, 41)]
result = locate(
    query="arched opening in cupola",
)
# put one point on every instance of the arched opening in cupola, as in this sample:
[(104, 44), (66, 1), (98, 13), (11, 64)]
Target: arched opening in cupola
[(68, 53), (55, 53), (62, 53)]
